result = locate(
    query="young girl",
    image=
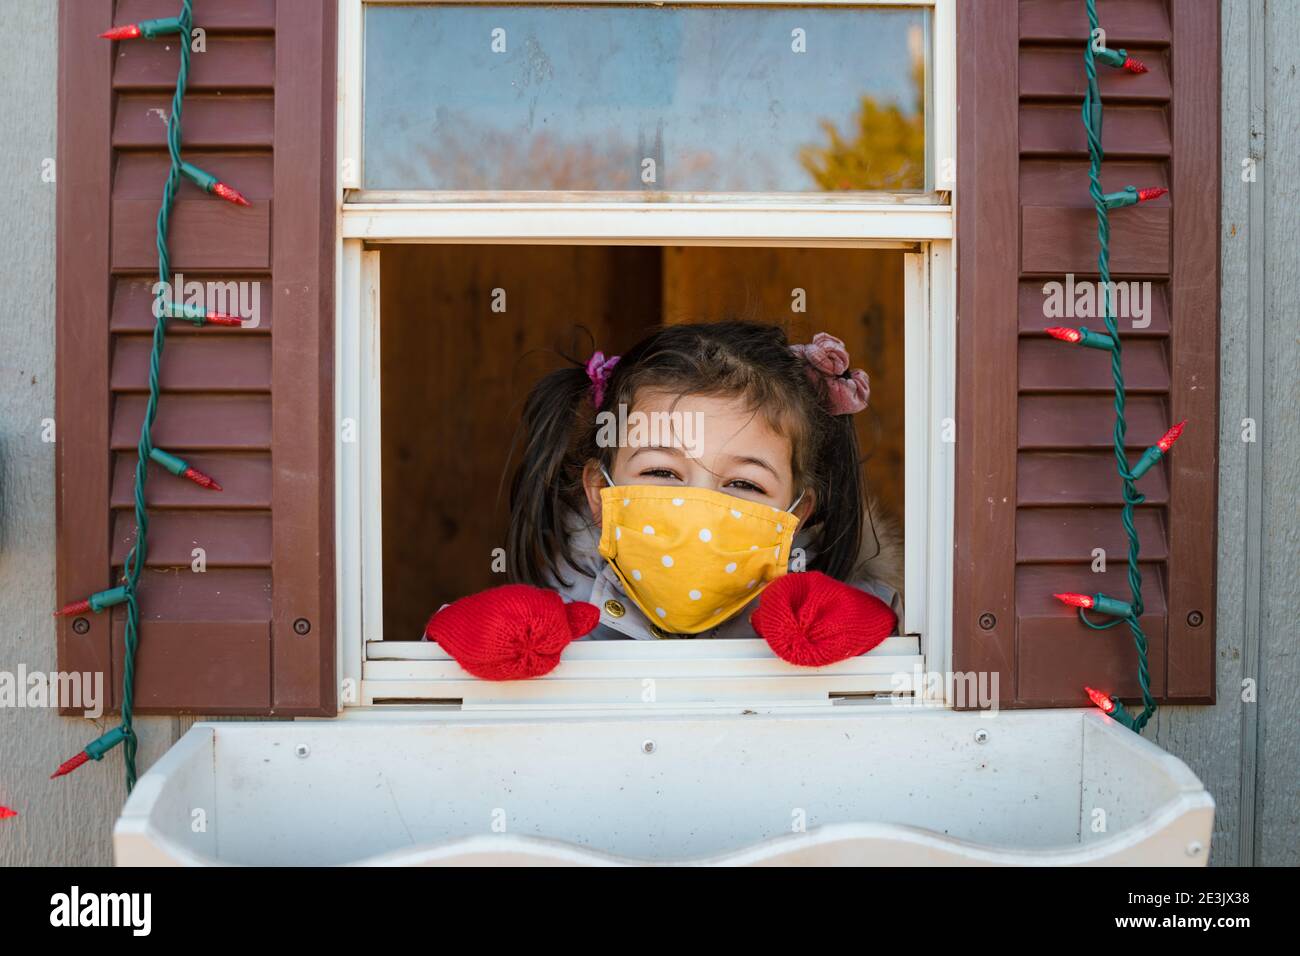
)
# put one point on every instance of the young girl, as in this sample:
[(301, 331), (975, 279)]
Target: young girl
[(706, 484)]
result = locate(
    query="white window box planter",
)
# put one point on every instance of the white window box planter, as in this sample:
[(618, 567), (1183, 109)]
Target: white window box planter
[(850, 783)]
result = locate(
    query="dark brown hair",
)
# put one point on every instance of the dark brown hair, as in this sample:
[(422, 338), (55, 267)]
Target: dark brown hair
[(745, 359)]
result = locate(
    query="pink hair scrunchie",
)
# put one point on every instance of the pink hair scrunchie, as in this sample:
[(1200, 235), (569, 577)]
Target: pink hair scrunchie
[(847, 391), (599, 369)]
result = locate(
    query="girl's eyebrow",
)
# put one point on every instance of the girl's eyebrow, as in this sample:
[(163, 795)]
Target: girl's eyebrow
[(750, 460), (667, 449)]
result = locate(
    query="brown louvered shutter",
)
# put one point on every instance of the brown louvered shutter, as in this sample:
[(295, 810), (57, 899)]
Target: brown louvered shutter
[(254, 633), (1037, 489)]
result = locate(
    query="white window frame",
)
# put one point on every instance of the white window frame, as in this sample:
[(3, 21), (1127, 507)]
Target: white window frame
[(618, 673)]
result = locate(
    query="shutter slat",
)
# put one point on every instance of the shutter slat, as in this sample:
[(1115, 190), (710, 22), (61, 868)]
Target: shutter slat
[(1155, 306), (1047, 367), (1055, 478), (223, 595), (212, 15), (133, 304), (238, 64), (1056, 73), (245, 481), (1087, 421), (141, 175), (213, 363), (1065, 182), (211, 122), (229, 539), (1133, 130), (205, 232), (1127, 22), (206, 422), (1059, 240), (1063, 535)]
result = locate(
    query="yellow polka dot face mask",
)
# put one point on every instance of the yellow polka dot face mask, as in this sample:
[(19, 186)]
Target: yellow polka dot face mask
[(688, 557)]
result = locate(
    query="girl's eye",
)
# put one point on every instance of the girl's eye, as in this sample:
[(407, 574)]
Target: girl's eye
[(660, 473), (744, 485)]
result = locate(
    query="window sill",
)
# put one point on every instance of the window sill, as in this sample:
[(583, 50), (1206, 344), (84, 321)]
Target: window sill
[(640, 672)]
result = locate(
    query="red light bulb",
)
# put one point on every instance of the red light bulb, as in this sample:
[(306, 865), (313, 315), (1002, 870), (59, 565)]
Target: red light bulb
[(220, 318), (199, 478), (68, 766), (6, 813), (1151, 192), (130, 32), (76, 607), (230, 194), (1102, 701), (1073, 336), (1074, 600), (1134, 65), (1167, 440)]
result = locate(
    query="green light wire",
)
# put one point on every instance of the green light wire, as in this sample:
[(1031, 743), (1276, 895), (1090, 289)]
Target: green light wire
[(135, 559), (1092, 110)]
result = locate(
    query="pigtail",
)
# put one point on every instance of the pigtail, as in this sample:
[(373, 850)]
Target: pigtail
[(549, 477), (838, 516)]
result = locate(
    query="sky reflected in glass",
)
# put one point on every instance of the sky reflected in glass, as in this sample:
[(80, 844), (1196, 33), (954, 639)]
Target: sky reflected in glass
[(703, 99)]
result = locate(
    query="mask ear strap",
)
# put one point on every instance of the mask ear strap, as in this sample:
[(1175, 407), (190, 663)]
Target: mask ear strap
[(609, 479), (797, 500)]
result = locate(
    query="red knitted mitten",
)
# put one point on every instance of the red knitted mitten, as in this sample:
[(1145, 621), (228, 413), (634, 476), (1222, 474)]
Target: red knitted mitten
[(511, 632), (810, 619)]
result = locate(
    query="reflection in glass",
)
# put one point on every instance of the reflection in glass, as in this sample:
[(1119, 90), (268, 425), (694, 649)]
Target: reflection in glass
[(643, 98)]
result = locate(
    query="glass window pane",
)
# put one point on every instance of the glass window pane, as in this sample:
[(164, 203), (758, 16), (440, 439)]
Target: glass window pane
[(646, 99)]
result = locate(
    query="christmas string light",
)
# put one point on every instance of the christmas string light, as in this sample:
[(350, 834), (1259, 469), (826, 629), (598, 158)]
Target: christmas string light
[(1120, 59), (1119, 611), (209, 183), (146, 29), (97, 602), (95, 750), (1157, 451), (1097, 602), (198, 315), (182, 468), (1111, 707), (133, 566), (1082, 336), (1131, 196)]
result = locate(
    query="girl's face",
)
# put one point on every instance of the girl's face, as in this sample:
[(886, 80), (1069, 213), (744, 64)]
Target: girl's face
[(718, 443)]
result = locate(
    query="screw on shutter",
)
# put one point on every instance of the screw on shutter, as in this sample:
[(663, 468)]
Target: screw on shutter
[(81, 625), (1195, 619), (302, 626), (987, 621)]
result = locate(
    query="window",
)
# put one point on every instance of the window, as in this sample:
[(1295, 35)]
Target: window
[(645, 99), (427, 177)]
